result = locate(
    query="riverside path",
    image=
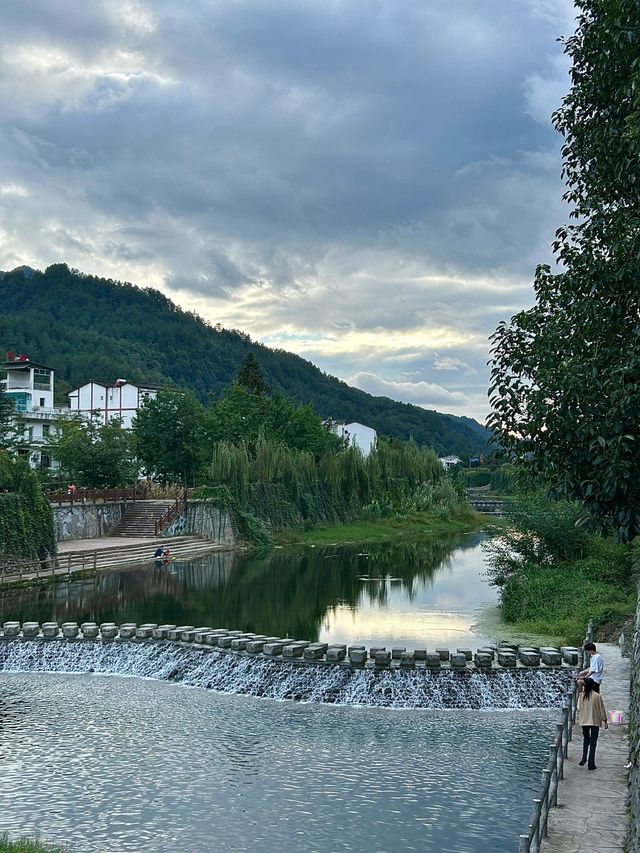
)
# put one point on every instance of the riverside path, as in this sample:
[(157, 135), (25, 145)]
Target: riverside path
[(592, 806)]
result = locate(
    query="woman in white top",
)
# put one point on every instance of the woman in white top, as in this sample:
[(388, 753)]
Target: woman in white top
[(591, 715)]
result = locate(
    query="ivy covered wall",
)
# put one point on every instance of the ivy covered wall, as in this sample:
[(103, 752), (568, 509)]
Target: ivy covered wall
[(26, 516)]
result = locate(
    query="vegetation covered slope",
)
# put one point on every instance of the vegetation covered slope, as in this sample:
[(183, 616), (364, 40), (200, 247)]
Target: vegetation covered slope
[(93, 328)]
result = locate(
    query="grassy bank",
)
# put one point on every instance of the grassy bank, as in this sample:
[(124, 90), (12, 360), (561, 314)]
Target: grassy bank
[(415, 525), (554, 576), (27, 845)]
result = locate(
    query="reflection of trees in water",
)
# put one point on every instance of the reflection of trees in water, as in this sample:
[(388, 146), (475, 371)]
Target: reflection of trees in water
[(285, 593)]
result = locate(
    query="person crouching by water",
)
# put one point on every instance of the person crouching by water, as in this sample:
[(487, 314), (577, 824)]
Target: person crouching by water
[(591, 714)]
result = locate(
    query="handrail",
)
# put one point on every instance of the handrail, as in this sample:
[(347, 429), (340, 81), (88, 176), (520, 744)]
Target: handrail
[(81, 496), (172, 513), (554, 771)]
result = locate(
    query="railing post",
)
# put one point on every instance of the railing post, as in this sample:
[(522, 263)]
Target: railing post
[(524, 847)]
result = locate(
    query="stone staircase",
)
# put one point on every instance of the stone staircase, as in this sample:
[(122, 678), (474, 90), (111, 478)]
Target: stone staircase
[(140, 518)]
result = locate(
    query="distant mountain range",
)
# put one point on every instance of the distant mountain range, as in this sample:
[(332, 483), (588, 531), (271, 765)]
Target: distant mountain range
[(87, 327)]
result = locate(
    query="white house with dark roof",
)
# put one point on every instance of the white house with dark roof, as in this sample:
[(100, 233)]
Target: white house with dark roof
[(30, 385), (107, 401)]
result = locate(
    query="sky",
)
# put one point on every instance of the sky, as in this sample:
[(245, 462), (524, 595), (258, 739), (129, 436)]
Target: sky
[(367, 183)]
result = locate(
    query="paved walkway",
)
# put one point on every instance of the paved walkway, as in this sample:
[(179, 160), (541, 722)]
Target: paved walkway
[(108, 542), (592, 805)]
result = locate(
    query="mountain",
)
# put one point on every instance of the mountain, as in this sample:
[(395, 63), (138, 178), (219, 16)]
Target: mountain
[(87, 327)]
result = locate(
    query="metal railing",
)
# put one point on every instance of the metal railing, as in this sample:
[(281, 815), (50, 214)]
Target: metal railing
[(531, 841), (172, 513), (82, 496)]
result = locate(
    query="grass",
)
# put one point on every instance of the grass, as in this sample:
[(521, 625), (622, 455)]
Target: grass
[(27, 845), (410, 526)]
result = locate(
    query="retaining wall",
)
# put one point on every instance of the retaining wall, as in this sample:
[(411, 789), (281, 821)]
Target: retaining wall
[(634, 741), (204, 520), (87, 521)]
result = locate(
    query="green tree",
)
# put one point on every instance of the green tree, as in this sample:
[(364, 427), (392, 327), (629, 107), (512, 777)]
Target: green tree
[(12, 425), (94, 455), (168, 437), (565, 388), (251, 376)]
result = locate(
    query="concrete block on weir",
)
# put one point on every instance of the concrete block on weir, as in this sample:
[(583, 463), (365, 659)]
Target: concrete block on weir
[(458, 660), (571, 657), (396, 654), (336, 653), (432, 660), (273, 649), (551, 657), (239, 644), (529, 658), (86, 625), (162, 632), (69, 632), (314, 651), (507, 658), (407, 659), (383, 658), (255, 646), (468, 654), (90, 632), (127, 631), (482, 660), (50, 630), (488, 650), (375, 649), (65, 624), (175, 633), (187, 636), (358, 647), (11, 629), (109, 630), (358, 657), (30, 629), (420, 654), (225, 642), (444, 654), (292, 651)]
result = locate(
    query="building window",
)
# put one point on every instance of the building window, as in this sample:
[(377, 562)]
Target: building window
[(46, 430), (42, 401), (45, 460), (42, 379)]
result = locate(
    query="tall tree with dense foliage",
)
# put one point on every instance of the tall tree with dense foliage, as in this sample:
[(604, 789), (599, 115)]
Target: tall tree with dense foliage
[(168, 437), (565, 388), (251, 376), (94, 455)]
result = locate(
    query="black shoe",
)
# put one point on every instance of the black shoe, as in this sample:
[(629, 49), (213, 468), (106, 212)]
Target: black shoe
[(583, 762), (592, 768)]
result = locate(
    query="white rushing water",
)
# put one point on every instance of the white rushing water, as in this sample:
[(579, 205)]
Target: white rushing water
[(243, 674)]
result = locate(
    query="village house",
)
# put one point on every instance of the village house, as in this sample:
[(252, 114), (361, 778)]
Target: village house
[(30, 386), (449, 462), (356, 435), (105, 401)]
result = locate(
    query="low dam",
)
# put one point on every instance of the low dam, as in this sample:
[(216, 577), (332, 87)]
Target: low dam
[(281, 668)]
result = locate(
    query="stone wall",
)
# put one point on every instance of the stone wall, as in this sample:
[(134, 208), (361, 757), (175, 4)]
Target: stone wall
[(634, 740), (86, 521), (204, 520)]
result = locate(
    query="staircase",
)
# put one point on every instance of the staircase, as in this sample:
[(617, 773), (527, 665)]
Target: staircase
[(140, 518)]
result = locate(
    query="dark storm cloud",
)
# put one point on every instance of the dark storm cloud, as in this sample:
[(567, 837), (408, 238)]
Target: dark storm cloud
[(294, 168)]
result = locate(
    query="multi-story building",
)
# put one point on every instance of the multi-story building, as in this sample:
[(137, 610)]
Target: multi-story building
[(30, 386), (107, 401)]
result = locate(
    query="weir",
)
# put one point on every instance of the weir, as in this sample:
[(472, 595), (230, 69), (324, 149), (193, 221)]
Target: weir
[(277, 668)]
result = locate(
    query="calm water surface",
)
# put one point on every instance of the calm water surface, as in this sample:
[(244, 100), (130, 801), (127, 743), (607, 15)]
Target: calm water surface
[(125, 765), (408, 594)]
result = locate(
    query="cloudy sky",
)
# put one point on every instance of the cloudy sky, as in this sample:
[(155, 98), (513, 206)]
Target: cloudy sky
[(368, 183)]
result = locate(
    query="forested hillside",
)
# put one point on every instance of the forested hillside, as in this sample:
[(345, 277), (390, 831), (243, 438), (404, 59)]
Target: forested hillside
[(93, 328)]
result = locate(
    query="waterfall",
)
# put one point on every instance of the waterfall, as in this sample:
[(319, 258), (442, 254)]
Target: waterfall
[(207, 668)]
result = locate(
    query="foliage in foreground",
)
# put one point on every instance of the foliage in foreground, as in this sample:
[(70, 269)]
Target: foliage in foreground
[(26, 517), (27, 845), (564, 389), (553, 575)]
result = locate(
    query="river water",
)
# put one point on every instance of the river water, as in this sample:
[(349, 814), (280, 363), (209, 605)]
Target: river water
[(123, 764), (416, 595)]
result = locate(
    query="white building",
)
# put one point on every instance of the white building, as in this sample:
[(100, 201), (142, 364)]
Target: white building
[(30, 386), (356, 435), (449, 462), (106, 401)]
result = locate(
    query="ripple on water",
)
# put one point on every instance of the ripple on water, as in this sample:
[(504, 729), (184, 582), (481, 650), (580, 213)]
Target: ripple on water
[(119, 765)]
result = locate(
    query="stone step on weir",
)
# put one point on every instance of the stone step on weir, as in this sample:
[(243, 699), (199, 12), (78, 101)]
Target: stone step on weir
[(298, 652)]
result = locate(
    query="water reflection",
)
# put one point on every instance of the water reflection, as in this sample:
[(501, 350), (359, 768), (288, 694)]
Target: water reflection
[(411, 593)]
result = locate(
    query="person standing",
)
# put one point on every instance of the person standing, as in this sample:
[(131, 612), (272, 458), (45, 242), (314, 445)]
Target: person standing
[(595, 670), (591, 714)]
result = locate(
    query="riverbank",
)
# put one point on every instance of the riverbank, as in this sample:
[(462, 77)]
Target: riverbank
[(410, 526), (26, 845)]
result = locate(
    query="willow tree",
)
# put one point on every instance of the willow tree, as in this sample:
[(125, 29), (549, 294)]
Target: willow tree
[(565, 387)]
